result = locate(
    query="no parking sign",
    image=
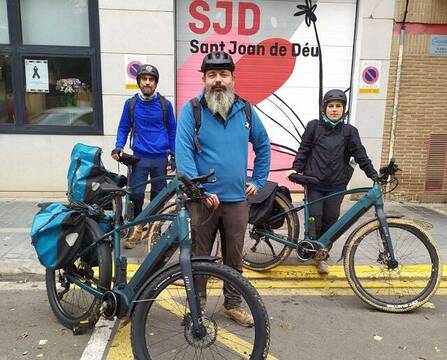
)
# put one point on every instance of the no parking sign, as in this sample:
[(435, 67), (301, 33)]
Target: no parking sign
[(131, 65), (370, 72)]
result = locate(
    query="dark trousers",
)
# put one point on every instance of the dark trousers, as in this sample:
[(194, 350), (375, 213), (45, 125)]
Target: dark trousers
[(231, 219), (325, 212), (141, 171)]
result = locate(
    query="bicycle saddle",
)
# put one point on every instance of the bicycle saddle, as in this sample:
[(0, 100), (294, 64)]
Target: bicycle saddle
[(303, 179)]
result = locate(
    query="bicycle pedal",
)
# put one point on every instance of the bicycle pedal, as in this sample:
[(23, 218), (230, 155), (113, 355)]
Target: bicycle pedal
[(83, 327)]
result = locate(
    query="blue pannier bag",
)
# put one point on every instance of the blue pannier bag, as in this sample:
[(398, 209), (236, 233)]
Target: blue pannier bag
[(56, 234), (85, 174)]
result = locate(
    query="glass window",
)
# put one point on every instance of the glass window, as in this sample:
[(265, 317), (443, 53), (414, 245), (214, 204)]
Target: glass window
[(49, 22), (7, 107), (64, 98), (4, 34)]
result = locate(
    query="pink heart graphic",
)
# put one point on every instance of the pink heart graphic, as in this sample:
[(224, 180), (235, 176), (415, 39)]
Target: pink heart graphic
[(258, 76)]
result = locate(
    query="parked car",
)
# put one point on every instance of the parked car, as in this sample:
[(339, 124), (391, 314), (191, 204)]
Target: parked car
[(65, 116)]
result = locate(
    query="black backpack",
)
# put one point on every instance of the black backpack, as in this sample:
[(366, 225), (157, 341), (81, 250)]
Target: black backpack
[(132, 103), (197, 112)]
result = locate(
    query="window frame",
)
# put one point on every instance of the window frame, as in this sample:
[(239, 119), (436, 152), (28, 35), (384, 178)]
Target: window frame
[(18, 52)]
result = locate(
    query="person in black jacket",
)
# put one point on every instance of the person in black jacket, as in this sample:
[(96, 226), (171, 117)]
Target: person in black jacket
[(326, 148)]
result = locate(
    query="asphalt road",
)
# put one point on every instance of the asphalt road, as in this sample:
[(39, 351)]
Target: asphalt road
[(303, 327)]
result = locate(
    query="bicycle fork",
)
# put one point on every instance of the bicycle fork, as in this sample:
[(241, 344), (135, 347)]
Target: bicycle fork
[(386, 237), (198, 330)]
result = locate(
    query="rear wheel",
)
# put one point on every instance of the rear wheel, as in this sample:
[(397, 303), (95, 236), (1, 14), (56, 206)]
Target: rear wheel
[(70, 303), (404, 288), (261, 253), (161, 323)]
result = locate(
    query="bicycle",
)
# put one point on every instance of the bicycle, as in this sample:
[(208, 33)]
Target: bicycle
[(153, 229), (391, 263), (162, 303)]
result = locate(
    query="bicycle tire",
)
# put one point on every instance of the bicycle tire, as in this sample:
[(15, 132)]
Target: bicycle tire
[(163, 305), (64, 300), (265, 255), (405, 288)]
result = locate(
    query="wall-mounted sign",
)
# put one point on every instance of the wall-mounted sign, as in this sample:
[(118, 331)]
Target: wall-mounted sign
[(36, 75), (131, 65), (370, 72), (438, 45)]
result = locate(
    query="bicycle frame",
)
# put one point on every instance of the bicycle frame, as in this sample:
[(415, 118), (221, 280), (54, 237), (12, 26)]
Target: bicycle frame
[(373, 197), (177, 233)]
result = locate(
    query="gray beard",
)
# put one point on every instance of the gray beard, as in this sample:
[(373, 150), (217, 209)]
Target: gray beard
[(220, 102)]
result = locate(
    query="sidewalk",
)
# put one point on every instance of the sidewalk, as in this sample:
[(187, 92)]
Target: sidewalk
[(18, 260)]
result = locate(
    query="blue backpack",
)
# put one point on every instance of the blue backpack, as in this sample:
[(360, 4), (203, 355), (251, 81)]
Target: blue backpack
[(56, 234)]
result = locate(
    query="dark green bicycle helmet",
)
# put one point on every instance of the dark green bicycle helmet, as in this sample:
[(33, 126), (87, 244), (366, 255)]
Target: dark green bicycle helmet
[(217, 60), (147, 69)]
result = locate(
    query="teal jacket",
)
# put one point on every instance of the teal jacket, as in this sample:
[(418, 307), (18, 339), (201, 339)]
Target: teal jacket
[(224, 148)]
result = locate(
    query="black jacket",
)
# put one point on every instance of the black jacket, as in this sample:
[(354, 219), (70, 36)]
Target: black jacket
[(325, 151)]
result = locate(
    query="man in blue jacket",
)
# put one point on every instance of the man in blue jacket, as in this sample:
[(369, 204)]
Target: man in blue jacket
[(221, 143), (151, 122)]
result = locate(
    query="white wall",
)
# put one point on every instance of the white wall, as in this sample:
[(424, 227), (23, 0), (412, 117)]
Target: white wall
[(39, 163), (374, 37)]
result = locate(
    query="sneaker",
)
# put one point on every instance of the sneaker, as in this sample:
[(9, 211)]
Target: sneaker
[(322, 267), (134, 238), (239, 316)]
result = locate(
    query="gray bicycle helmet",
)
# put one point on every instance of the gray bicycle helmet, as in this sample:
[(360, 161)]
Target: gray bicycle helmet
[(217, 60), (147, 69), (335, 94)]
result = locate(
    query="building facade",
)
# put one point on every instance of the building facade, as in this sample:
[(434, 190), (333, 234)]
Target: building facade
[(101, 42), (418, 137)]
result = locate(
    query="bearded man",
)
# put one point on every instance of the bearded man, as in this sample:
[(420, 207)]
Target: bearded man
[(221, 143)]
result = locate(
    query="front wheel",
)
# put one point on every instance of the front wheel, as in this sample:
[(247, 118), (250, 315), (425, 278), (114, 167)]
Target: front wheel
[(70, 303), (161, 322), (404, 288)]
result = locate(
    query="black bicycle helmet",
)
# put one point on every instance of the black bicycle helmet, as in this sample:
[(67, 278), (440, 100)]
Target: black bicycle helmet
[(217, 60), (147, 69), (335, 94)]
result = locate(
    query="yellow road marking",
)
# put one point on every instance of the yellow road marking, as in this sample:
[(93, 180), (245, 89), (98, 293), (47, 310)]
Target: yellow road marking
[(284, 272), (121, 348)]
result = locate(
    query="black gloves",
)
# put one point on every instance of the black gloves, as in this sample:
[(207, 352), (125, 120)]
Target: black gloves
[(116, 151)]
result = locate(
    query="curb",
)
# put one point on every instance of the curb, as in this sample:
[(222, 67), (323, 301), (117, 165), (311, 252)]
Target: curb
[(21, 270)]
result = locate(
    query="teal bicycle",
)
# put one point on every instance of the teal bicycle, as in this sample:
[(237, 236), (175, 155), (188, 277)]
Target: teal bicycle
[(168, 321), (391, 263)]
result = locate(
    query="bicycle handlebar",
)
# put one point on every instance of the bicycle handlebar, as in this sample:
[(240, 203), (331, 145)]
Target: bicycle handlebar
[(190, 185), (387, 171)]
